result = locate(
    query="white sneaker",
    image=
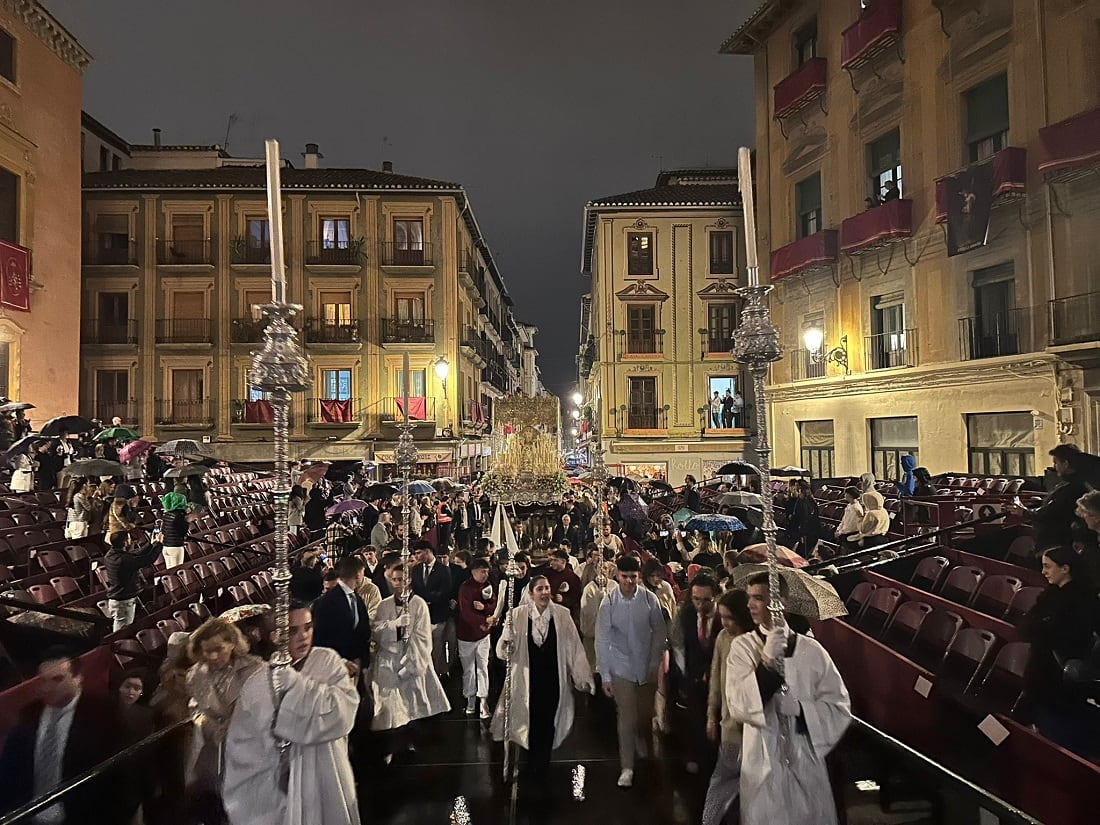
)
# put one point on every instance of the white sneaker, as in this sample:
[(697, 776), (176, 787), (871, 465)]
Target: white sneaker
[(626, 778), (485, 714), (471, 707)]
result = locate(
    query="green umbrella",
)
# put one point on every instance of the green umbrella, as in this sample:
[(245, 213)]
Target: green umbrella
[(117, 434), (682, 515)]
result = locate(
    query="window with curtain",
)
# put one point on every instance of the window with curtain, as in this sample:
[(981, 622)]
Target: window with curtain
[(805, 43), (335, 308), (817, 447), (409, 307), (112, 233), (887, 344), (335, 233), (259, 233), (986, 118), (642, 409), (639, 254), (408, 234), (1001, 444), (336, 384), (891, 438), (721, 252), (721, 321), (188, 395), (641, 331), (807, 197), (418, 383)]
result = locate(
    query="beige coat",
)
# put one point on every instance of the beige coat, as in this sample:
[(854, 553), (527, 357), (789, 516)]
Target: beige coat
[(717, 711), (876, 521)]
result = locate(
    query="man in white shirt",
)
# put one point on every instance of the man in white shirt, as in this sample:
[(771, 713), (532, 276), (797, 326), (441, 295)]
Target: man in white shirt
[(607, 540), (630, 641)]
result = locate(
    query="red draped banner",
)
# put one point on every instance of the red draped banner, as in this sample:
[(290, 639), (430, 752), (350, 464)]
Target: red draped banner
[(15, 277)]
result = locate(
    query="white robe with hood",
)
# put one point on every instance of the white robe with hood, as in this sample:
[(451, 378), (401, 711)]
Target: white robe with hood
[(773, 792), (403, 681), (316, 715), (573, 670)]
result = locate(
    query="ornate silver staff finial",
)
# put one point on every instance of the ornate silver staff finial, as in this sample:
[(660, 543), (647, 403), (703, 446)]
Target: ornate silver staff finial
[(405, 455), (756, 345), (279, 369)]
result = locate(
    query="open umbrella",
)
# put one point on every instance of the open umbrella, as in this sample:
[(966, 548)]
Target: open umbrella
[(759, 553), (621, 483), (443, 484), (348, 505), (22, 446), (738, 468), (314, 473), (659, 488), (789, 472), (117, 434), (134, 450), (244, 611), (15, 406), (713, 523), (420, 488), (187, 470), (682, 515), (807, 596), (94, 467), (751, 516), (181, 446), (69, 424), (377, 491), (740, 498)]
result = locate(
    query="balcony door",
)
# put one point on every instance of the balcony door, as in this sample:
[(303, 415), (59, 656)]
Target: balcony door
[(641, 332), (408, 242), (112, 394), (888, 331), (995, 327), (642, 404), (188, 244), (114, 317), (188, 322), (188, 395), (722, 318)]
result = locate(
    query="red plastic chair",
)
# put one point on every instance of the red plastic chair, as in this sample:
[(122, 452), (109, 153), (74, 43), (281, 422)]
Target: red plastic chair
[(44, 593), (880, 607), (967, 656), (1003, 686), (937, 632), (66, 587), (857, 599), (52, 561), (905, 624), (961, 583), (1023, 601), (929, 572), (995, 594), (152, 641)]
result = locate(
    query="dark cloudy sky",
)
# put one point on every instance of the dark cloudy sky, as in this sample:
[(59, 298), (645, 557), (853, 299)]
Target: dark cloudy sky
[(535, 108)]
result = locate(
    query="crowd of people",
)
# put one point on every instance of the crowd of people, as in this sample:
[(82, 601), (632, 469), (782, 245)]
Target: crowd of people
[(638, 613)]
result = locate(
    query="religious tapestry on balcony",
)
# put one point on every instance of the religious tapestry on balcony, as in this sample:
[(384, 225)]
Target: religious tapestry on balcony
[(418, 408), (15, 277), (969, 201), (334, 411), (258, 412)]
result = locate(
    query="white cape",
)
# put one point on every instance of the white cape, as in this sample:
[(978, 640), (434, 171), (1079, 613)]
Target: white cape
[(316, 715), (773, 791), (573, 670), (403, 681)]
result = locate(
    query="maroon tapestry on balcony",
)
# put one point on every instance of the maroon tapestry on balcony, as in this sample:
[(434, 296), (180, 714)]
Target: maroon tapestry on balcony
[(418, 408), (335, 412), (258, 412), (477, 413), (15, 276), (969, 201)]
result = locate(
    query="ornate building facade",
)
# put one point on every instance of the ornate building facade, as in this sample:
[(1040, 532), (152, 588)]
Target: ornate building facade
[(884, 136), (41, 66), (176, 270), (657, 325)]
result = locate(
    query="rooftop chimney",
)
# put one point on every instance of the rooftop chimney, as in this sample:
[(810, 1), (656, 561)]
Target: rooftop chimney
[(387, 166), (156, 137), (312, 156)]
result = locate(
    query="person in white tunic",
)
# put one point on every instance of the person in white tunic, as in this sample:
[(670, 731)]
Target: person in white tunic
[(786, 734), (403, 681), (541, 642), (311, 782)]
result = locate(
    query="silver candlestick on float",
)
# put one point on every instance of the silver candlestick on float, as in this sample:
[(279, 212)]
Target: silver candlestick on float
[(405, 456), (279, 369), (756, 345)]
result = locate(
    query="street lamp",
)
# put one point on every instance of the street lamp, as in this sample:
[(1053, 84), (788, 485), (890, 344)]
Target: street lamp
[(814, 339), (577, 398), (442, 370), (576, 415)]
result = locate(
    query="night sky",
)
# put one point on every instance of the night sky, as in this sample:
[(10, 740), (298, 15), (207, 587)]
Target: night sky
[(535, 108)]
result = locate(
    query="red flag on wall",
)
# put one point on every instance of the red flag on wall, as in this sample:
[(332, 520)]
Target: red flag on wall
[(15, 277)]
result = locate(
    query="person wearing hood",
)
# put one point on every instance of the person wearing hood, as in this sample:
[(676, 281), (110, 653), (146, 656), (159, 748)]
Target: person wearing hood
[(175, 528), (924, 485), (866, 482), (876, 521), (908, 481)]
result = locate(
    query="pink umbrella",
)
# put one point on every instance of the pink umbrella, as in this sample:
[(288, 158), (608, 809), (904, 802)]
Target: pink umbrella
[(759, 553), (133, 450), (348, 505)]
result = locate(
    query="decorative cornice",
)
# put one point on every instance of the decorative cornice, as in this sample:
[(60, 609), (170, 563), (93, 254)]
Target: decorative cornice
[(721, 289), (929, 377), (643, 290), (46, 27)]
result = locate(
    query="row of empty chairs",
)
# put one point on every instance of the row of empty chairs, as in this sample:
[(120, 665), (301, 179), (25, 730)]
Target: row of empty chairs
[(998, 595)]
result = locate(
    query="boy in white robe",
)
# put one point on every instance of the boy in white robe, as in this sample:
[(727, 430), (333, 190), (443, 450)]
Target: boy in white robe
[(314, 717), (787, 734), (537, 723), (403, 681)]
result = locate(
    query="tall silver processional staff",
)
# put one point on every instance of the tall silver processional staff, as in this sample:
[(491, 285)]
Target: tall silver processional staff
[(756, 345), (279, 369)]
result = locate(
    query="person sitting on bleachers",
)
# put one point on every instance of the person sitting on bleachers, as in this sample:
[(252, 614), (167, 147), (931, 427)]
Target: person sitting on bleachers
[(852, 519), (1061, 627), (876, 521)]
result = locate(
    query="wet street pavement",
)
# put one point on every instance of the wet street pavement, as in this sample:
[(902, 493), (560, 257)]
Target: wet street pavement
[(455, 755)]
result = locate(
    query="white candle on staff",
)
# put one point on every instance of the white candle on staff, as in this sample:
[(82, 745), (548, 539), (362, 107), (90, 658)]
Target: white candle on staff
[(405, 385), (744, 181), (275, 223)]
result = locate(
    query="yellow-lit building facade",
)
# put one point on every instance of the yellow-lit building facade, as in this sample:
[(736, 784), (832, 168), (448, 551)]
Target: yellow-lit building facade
[(41, 66), (870, 124), (177, 268), (656, 327)]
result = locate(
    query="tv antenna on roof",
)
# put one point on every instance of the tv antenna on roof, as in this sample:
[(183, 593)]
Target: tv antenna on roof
[(228, 126)]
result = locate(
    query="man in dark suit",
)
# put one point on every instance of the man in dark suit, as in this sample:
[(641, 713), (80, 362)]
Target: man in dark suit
[(694, 631), (340, 618), (475, 518), (566, 531), (59, 736), (431, 581)]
